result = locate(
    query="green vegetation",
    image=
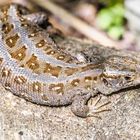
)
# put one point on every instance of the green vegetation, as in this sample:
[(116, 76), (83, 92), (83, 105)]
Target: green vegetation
[(111, 18)]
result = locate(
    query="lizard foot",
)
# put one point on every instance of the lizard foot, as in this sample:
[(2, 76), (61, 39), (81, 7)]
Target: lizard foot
[(96, 107), (83, 108)]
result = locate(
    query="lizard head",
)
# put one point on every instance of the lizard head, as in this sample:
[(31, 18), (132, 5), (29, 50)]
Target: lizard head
[(119, 72)]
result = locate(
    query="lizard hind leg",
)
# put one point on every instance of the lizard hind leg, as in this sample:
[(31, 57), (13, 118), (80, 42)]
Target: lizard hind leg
[(41, 19)]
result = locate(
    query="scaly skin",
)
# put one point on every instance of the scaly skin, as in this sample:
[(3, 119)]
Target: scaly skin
[(34, 68)]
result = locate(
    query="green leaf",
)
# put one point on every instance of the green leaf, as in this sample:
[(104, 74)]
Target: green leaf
[(117, 10), (116, 32), (104, 19)]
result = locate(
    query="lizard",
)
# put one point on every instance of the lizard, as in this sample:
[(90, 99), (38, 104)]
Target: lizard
[(34, 68)]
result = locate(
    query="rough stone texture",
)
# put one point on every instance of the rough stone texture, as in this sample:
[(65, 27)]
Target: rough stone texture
[(20, 119)]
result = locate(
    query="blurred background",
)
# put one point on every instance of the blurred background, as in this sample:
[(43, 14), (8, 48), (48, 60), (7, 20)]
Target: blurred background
[(117, 20)]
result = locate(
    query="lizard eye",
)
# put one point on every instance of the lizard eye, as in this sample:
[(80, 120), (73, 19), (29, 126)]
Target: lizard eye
[(127, 78), (130, 77)]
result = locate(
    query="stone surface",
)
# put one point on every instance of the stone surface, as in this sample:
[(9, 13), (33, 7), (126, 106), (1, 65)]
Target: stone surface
[(20, 119)]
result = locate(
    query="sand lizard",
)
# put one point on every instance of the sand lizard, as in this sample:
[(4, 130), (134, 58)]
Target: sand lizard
[(32, 67)]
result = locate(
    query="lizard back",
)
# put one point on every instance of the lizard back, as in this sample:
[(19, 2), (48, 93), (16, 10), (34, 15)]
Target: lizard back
[(34, 68)]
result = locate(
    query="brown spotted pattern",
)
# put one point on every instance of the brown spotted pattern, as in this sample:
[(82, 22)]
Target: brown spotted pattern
[(55, 71), (33, 63), (34, 33), (88, 82), (4, 19), (12, 40), (89, 67), (1, 60), (5, 9), (36, 87), (70, 71), (41, 43), (75, 82), (46, 46), (57, 88), (20, 79), (25, 25), (59, 55), (8, 85), (5, 72), (7, 27), (19, 54)]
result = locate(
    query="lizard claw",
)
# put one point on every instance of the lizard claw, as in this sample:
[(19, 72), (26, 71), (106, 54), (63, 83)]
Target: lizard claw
[(95, 108)]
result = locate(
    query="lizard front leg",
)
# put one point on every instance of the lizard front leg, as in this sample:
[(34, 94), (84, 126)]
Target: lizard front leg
[(81, 107)]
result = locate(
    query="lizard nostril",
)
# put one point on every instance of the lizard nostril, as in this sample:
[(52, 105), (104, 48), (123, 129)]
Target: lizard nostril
[(3, 26), (105, 81)]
